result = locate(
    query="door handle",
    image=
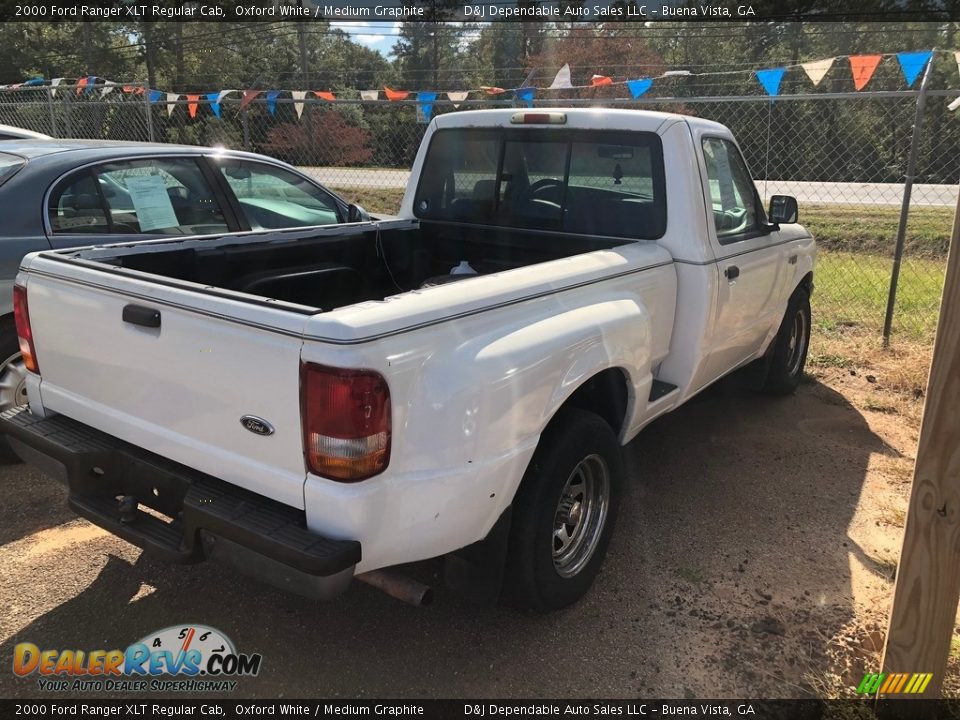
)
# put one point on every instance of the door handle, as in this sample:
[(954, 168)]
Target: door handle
[(141, 315), (732, 272)]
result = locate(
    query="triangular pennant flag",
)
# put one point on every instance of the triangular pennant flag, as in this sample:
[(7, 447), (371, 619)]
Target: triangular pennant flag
[(770, 79), (525, 95), (298, 95), (34, 82), (863, 67), (214, 99), (91, 80), (369, 94), (492, 90), (598, 80), (272, 96), (171, 102), (155, 95), (956, 56), (426, 104), (82, 83), (913, 63), (248, 96), (954, 105), (458, 97), (57, 81), (192, 104), (223, 93), (562, 80), (639, 87), (133, 89), (817, 69), (328, 96), (395, 94), (107, 88)]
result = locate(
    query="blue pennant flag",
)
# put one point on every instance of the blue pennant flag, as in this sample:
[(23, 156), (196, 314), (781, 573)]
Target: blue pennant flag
[(770, 79), (913, 63), (34, 82), (214, 105), (155, 95), (426, 104), (272, 96), (91, 79), (525, 94), (639, 87)]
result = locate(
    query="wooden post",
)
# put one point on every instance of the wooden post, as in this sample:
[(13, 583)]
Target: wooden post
[(924, 609)]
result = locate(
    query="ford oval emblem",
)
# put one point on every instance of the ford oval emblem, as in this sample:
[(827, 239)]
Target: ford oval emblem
[(256, 425)]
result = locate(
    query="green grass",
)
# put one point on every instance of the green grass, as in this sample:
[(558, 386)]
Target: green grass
[(873, 228), (375, 200)]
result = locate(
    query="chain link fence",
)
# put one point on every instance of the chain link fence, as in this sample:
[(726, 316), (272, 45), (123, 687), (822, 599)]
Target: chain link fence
[(843, 155)]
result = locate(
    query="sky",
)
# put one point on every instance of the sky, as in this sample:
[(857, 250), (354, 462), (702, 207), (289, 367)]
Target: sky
[(379, 36)]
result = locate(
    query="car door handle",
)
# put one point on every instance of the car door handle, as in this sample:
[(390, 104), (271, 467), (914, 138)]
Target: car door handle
[(732, 272), (792, 260), (141, 315)]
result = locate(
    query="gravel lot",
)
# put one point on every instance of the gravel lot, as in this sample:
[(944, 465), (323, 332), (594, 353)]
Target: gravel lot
[(750, 540)]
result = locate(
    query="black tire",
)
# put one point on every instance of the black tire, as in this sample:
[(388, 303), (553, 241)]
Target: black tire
[(578, 447), (9, 346), (789, 349)]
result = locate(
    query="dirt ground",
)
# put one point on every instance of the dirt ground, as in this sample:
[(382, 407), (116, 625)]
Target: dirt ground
[(754, 557)]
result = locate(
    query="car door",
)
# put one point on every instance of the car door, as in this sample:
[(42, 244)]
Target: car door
[(137, 199), (750, 263)]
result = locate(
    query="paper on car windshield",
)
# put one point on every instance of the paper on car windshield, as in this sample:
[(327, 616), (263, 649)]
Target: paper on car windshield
[(151, 202)]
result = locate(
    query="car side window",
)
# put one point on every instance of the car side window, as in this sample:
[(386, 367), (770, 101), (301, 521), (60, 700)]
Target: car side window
[(272, 197), (157, 196), (732, 193), (76, 206)]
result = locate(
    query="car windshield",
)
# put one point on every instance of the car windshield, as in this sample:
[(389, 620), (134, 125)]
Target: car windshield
[(9, 165)]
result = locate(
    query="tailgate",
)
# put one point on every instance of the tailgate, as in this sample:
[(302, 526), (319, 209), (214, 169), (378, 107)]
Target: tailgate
[(180, 389)]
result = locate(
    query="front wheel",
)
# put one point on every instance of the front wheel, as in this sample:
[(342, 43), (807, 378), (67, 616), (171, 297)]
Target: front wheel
[(789, 349), (564, 513)]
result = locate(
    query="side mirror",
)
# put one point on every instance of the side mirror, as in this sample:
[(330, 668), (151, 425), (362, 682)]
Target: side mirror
[(783, 209), (355, 213)]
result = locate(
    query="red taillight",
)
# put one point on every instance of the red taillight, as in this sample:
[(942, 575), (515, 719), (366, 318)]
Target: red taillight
[(21, 316), (346, 422)]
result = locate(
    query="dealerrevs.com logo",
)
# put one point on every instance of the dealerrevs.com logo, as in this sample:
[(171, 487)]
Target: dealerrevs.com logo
[(184, 658)]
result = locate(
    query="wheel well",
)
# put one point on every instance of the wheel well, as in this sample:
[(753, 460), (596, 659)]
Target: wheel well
[(807, 283), (605, 394)]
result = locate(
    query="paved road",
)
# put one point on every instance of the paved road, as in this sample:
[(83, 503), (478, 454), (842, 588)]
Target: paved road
[(727, 574), (813, 192)]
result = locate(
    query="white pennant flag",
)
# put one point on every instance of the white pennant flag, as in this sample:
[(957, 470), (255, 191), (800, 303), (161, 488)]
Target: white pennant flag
[(298, 95), (171, 102), (817, 69), (53, 86), (108, 86), (223, 93), (369, 94), (956, 55), (954, 105), (562, 80), (458, 97)]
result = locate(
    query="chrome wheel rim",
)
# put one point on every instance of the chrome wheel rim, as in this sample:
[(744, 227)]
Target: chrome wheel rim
[(13, 383), (798, 342), (580, 515)]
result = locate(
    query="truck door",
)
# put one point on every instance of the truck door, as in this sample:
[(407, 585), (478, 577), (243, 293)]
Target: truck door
[(750, 264)]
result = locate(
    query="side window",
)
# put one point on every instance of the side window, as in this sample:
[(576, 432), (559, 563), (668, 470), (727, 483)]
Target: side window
[(272, 198), (732, 192), (168, 196), (76, 206)]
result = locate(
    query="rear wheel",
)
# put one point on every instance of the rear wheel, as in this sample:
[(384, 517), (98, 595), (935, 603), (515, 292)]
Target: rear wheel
[(789, 350), (564, 513)]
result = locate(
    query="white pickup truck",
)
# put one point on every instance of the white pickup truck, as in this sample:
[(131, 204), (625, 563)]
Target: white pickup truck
[(318, 405)]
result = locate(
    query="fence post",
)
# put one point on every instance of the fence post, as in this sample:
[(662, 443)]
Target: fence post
[(66, 112), (246, 129), (53, 114), (149, 112), (905, 207)]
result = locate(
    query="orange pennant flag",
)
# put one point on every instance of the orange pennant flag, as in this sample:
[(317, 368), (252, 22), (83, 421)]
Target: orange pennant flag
[(324, 95), (81, 84), (192, 105), (248, 96), (492, 90), (395, 94), (598, 80), (136, 90), (863, 67)]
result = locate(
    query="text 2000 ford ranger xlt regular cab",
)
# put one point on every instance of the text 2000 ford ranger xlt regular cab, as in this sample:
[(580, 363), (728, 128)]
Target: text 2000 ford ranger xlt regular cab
[(316, 405)]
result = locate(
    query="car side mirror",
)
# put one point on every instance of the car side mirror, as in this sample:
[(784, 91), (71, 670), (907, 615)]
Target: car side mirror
[(783, 209), (355, 213)]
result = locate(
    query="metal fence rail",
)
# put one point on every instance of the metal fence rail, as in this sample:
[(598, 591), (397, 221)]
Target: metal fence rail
[(843, 155)]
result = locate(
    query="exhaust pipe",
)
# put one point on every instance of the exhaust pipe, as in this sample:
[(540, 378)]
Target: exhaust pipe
[(398, 586)]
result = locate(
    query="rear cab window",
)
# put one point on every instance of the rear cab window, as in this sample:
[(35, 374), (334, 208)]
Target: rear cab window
[(9, 166), (587, 182)]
